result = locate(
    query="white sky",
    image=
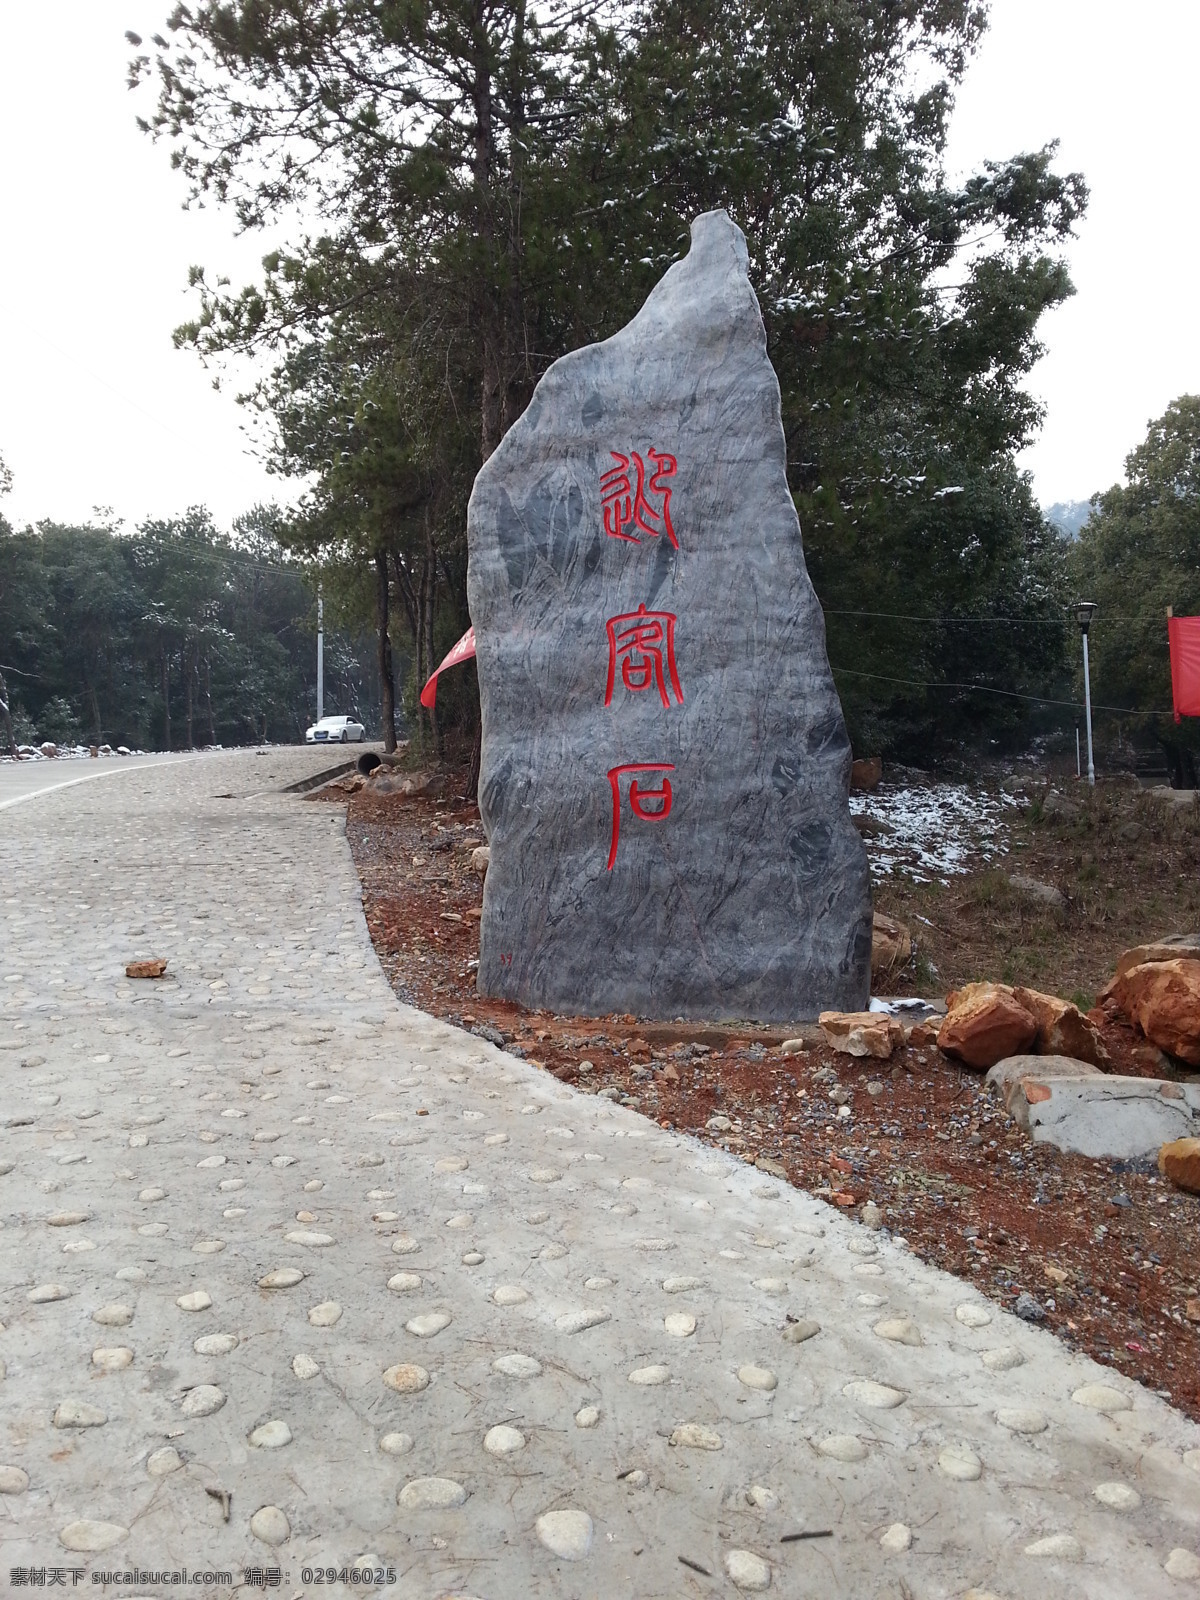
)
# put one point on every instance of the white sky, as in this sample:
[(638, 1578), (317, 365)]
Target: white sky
[(98, 409), (1115, 82)]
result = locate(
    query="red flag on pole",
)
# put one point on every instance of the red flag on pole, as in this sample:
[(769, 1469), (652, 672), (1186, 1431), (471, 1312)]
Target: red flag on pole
[(463, 651), (1183, 635)]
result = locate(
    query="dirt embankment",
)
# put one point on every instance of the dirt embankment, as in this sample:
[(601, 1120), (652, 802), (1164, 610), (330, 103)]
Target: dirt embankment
[(1106, 1251)]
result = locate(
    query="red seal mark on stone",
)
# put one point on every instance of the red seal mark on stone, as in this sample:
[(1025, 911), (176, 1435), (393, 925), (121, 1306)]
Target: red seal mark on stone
[(635, 494), (644, 643), (641, 801)]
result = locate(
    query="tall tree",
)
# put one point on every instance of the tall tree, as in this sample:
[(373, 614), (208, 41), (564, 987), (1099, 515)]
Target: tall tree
[(500, 189), (95, 604), (901, 316), (413, 127), (5, 708), (369, 400), (131, 637), (1137, 554)]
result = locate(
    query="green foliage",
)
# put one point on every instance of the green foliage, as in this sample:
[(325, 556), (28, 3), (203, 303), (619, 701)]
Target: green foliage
[(901, 318), (58, 722), (24, 727), (1137, 554), (175, 636), (499, 186)]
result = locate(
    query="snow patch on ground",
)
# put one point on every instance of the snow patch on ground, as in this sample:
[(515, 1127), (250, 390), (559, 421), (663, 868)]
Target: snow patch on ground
[(934, 830), (66, 752)]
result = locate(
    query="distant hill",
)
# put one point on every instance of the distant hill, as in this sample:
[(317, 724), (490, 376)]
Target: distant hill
[(1068, 516)]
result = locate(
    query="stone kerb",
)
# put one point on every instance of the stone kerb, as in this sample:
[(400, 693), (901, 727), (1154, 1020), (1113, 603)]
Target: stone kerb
[(665, 765)]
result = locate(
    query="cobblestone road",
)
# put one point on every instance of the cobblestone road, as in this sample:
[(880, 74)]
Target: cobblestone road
[(294, 1278)]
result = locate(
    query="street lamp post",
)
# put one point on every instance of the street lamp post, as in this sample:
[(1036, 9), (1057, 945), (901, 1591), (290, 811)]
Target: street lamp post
[(320, 654), (1085, 610)]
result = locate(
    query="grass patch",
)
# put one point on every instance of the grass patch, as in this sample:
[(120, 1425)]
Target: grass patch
[(1122, 892)]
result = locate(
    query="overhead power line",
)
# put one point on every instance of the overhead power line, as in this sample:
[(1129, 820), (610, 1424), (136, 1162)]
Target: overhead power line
[(968, 622), (1009, 694)]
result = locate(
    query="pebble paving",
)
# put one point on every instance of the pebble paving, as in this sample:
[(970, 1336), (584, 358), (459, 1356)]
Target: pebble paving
[(612, 1363)]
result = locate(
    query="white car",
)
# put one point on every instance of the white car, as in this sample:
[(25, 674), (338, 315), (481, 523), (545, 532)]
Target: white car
[(335, 730)]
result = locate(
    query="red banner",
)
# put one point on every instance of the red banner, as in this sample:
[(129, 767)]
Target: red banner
[(463, 651), (1183, 634)]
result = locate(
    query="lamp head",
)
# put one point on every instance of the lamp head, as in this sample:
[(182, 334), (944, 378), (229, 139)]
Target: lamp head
[(1084, 611)]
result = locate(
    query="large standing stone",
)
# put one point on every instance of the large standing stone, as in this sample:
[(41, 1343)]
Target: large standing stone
[(665, 795)]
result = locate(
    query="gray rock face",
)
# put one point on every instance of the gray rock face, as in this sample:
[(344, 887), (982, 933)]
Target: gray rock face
[(665, 766)]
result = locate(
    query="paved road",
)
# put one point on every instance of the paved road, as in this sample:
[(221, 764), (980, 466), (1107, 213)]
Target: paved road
[(291, 1276), (21, 780)]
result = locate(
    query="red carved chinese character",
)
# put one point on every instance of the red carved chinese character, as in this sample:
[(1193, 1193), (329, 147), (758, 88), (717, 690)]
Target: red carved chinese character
[(638, 798), (627, 504), (641, 644)]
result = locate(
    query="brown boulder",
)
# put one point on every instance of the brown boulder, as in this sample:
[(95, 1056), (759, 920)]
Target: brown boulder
[(1163, 998), (1180, 1161), (861, 1033), (866, 774), (1174, 947), (924, 1033), (1063, 1030), (984, 1023), (146, 969), (891, 945)]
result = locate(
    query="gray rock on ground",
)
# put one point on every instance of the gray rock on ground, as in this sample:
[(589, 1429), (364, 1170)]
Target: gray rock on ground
[(665, 766), (1083, 1111), (1033, 889), (1006, 1076), (1180, 799), (1058, 805)]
